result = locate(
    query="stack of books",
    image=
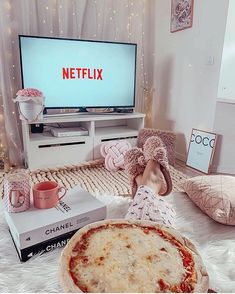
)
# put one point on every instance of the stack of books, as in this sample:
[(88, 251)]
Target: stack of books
[(37, 231)]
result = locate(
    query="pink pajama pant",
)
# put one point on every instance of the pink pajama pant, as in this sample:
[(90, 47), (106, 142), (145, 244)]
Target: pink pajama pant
[(147, 205)]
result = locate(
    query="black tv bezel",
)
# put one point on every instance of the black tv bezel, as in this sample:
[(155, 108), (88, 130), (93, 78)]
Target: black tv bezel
[(83, 40)]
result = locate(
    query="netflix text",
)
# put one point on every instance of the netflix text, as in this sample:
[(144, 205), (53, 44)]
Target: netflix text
[(82, 73)]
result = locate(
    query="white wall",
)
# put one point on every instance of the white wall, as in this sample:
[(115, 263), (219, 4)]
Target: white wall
[(226, 89), (186, 85), (224, 125)]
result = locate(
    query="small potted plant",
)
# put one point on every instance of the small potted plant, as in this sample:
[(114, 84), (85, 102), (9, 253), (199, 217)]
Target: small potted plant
[(31, 104)]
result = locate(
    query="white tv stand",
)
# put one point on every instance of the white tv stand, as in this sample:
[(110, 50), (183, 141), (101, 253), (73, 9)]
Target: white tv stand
[(43, 150)]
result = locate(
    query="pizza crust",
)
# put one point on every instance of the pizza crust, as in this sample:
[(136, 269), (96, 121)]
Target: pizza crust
[(202, 275), (68, 285)]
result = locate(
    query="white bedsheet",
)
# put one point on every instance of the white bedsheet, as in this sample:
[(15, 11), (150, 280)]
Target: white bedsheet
[(215, 242)]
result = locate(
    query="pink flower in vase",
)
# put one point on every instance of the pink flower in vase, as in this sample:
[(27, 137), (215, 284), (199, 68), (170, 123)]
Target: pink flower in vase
[(29, 92)]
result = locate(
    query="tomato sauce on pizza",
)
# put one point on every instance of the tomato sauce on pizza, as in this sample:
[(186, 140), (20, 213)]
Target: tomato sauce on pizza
[(126, 257)]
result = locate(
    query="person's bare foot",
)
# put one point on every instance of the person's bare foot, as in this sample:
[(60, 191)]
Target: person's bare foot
[(153, 177), (138, 181)]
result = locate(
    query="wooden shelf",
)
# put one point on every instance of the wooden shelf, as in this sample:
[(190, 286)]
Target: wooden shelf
[(47, 137), (79, 117), (119, 131)]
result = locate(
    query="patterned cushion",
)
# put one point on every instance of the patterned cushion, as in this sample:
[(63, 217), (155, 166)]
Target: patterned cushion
[(168, 138), (113, 152), (214, 195)]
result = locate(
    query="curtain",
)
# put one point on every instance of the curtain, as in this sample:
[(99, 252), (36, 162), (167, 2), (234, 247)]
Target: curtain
[(111, 20)]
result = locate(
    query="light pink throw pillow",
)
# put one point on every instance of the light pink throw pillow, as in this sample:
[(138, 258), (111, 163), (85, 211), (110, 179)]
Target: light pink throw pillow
[(214, 195)]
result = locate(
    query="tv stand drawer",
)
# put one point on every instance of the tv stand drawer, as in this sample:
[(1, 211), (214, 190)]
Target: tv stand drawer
[(46, 155)]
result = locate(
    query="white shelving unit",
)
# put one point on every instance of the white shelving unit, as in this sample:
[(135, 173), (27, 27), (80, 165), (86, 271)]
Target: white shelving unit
[(44, 150)]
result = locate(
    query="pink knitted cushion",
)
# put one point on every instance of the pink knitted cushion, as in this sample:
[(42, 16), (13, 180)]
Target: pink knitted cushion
[(114, 152)]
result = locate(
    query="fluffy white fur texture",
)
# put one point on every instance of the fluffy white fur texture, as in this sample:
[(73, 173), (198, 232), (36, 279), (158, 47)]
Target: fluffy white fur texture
[(40, 273), (214, 241)]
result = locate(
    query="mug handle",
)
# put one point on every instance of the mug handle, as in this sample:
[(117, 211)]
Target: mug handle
[(64, 192)]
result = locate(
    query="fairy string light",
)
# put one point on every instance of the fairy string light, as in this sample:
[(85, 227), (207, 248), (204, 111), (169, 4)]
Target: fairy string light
[(147, 94), (96, 19), (9, 125)]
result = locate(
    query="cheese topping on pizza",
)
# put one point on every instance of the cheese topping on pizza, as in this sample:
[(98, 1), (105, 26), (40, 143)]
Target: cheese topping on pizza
[(131, 258)]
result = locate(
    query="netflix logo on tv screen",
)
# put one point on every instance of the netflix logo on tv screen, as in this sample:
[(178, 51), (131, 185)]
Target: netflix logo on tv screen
[(77, 73)]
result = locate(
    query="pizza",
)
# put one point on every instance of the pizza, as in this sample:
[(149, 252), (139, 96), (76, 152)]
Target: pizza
[(131, 256)]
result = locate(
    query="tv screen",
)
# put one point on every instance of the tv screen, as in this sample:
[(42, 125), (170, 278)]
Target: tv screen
[(79, 73)]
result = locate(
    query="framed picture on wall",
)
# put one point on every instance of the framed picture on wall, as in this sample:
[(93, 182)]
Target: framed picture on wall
[(201, 150), (181, 15)]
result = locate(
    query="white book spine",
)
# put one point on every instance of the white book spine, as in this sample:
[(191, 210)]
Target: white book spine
[(14, 233), (74, 223)]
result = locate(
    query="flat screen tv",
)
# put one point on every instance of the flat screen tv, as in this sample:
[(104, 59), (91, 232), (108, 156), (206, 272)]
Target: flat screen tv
[(75, 73)]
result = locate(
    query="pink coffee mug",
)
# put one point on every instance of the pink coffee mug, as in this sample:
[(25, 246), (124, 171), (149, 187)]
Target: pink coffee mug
[(47, 194)]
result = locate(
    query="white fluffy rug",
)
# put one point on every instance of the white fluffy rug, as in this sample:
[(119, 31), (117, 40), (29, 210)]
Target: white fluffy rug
[(215, 242)]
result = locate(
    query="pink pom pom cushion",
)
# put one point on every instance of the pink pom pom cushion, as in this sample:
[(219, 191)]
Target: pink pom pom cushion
[(214, 195), (114, 152), (168, 138)]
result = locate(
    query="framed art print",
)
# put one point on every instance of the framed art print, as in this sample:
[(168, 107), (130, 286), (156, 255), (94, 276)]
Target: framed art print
[(181, 15), (201, 149)]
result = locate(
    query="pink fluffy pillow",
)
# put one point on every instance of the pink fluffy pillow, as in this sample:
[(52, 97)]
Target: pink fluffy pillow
[(214, 195)]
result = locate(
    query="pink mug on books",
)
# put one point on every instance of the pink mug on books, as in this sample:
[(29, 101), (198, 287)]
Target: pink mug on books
[(47, 194)]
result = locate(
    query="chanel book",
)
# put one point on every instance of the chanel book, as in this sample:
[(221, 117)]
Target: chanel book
[(43, 247), (77, 209)]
